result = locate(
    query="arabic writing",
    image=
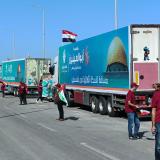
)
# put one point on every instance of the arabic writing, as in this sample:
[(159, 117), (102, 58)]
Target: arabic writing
[(90, 80)]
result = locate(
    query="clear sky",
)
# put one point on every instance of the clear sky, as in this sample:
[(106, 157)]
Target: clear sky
[(86, 18)]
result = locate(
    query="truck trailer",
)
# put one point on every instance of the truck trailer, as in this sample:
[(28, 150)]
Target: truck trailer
[(98, 71), (28, 70)]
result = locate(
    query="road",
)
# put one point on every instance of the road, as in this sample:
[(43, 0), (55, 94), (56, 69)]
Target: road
[(31, 132)]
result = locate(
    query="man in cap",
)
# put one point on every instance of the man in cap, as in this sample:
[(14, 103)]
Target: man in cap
[(130, 109), (156, 119), (58, 101)]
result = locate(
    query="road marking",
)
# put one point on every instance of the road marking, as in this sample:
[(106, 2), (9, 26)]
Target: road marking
[(22, 115), (110, 157), (50, 129)]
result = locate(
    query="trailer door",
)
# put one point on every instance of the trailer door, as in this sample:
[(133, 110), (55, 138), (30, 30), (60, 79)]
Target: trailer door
[(145, 50)]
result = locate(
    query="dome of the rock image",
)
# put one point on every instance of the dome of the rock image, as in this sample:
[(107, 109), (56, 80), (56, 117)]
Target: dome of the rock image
[(116, 60)]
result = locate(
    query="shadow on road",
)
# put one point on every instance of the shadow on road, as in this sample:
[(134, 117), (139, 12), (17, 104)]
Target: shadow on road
[(71, 118)]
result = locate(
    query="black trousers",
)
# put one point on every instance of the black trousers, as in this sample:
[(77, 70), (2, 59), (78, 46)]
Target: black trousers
[(22, 98), (40, 96), (3, 94), (60, 109)]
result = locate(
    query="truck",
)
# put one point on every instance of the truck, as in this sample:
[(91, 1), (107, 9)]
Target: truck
[(98, 71), (28, 70)]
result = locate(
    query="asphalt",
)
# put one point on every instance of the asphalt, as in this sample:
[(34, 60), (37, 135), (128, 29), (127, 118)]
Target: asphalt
[(31, 132)]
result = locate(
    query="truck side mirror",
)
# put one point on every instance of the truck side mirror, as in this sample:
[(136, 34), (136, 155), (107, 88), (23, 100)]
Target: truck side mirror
[(52, 70)]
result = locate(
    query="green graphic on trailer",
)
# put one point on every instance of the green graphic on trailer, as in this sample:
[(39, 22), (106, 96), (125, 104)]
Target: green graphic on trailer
[(101, 61), (13, 71)]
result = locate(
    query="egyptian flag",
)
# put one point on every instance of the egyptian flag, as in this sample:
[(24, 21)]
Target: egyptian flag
[(68, 36)]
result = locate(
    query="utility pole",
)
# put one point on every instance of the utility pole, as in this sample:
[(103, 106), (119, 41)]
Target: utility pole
[(116, 13), (43, 32), (13, 45)]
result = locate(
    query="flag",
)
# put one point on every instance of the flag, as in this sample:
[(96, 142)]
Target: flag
[(62, 96), (68, 36), (144, 112)]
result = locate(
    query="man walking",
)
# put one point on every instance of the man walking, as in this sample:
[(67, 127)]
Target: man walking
[(156, 120), (130, 108)]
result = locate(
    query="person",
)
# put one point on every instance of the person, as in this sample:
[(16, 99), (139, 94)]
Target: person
[(156, 119), (40, 91), (22, 89), (58, 101), (146, 53), (130, 109), (3, 87)]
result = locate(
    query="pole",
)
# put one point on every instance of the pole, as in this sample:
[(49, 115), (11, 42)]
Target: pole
[(116, 14), (13, 44), (43, 32)]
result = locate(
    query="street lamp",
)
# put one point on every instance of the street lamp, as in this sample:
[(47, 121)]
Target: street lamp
[(116, 14), (43, 29), (13, 45)]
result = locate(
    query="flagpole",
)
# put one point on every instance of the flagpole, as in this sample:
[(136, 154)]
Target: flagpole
[(116, 14)]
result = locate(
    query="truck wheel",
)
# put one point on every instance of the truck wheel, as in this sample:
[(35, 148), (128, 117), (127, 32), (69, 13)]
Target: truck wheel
[(102, 106), (69, 99), (15, 92), (110, 109), (94, 104)]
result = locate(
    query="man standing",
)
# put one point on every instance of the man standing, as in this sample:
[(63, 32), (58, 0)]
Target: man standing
[(156, 120), (22, 93), (130, 108), (58, 101), (3, 87), (40, 91)]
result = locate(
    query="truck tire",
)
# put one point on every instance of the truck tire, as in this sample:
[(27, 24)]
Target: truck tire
[(69, 99), (15, 92), (94, 104), (102, 105), (110, 109)]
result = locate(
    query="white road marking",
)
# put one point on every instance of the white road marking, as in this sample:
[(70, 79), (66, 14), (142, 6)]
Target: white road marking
[(110, 157), (22, 115), (50, 129)]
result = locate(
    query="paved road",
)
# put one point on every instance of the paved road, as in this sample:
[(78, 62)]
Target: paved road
[(32, 132)]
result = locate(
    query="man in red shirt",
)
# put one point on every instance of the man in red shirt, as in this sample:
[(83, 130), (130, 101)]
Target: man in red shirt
[(40, 91), (22, 93), (156, 120), (3, 87), (130, 109)]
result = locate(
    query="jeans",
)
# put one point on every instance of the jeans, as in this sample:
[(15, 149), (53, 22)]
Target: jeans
[(133, 124), (157, 142)]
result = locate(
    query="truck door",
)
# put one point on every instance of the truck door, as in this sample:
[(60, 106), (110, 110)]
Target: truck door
[(145, 50)]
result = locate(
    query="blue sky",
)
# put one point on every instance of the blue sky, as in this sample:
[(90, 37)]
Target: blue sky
[(87, 18)]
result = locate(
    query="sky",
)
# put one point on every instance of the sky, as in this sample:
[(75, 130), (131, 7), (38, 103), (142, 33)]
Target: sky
[(21, 32)]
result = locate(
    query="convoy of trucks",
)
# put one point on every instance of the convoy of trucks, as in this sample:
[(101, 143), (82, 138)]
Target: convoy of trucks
[(28, 70), (98, 71)]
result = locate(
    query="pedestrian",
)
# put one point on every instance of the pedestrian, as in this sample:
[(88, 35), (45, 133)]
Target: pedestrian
[(130, 109), (3, 87), (22, 93), (156, 119), (58, 101), (40, 91)]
